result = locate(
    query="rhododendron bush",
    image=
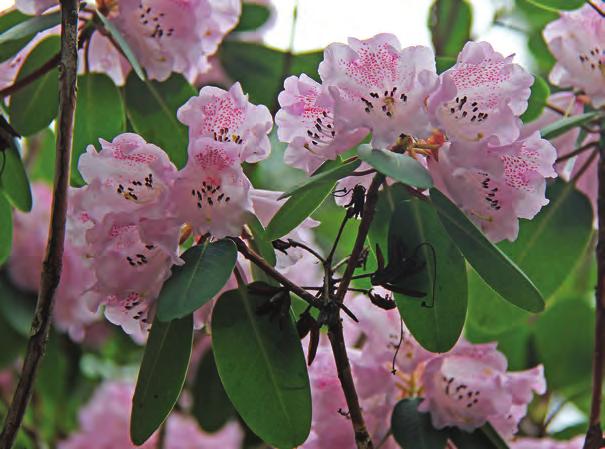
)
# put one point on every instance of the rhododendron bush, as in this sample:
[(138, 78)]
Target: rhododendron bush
[(209, 243)]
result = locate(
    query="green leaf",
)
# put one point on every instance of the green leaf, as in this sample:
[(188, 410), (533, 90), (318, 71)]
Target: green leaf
[(487, 259), (413, 429), (161, 376), (13, 344), (119, 39), (33, 107), (13, 179), (493, 436), (565, 124), (436, 320), (450, 23), (537, 100), (400, 167), (263, 369), (99, 115), (260, 243), (151, 107), (559, 234), (16, 306), (44, 146), (253, 17), (8, 21), (6, 229), (211, 405), (30, 27), (329, 176), (206, 270), (261, 69), (555, 5), (478, 439), (444, 63)]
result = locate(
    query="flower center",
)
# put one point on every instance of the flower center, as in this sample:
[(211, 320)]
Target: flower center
[(387, 101)]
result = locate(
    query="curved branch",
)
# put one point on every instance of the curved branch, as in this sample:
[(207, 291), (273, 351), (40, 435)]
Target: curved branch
[(41, 71), (52, 265)]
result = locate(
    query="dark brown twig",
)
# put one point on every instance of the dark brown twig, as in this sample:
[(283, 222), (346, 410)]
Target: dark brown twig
[(576, 152), (41, 71), (52, 265)]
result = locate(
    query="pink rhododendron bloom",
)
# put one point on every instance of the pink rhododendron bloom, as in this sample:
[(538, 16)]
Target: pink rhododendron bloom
[(469, 386), (306, 122), (104, 57), (127, 175), (35, 7), (174, 35), (330, 427), (379, 86), (481, 96), (577, 40), (105, 423), (212, 192), (546, 443), (496, 185), (228, 116)]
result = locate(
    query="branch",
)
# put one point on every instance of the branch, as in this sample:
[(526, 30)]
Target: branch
[(42, 70), (52, 265), (575, 152), (269, 270), (594, 436)]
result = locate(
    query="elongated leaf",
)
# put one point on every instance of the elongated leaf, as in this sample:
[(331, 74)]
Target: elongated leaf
[(211, 405), (33, 107), (161, 376), (554, 5), (400, 167), (565, 124), (263, 369), (436, 320), (6, 229), (558, 234), (117, 36), (207, 269), (16, 306), (43, 166), (493, 436), (537, 100), (99, 115), (450, 24), (9, 20), (30, 27), (13, 179), (12, 343), (260, 241), (444, 63), (329, 176), (253, 17), (412, 429), (487, 259), (151, 107), (470, 440)]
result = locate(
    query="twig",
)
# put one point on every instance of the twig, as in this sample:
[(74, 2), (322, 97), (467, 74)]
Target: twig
[(363, 172), (594, 436), (42, 70), (297, 244), (584, 167), (52, 265), (596, 8), (268, 269), (335, 244), (576, 152)]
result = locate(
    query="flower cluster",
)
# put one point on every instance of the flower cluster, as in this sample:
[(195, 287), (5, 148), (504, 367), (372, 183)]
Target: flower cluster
[(484, 165)]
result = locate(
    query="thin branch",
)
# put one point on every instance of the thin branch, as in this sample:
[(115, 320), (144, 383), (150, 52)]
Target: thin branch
[(268, 269), (41, 71), (297, 244), (596, 8), (336, 241), (594, 436), (363, 172), (576, 152), (52, 265), (584, 167)]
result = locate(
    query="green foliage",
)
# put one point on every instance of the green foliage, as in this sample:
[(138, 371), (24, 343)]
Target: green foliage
[(324, 177), (43, 145), (450, 23), (211, 405), (435, 320), (13, 178), (263, 370), (16, 306), (559, 235), (565, 124), (12, 342), (99, 115), (6, 229), (482, 438), (206, 270), (161, 376), (444, 62), (253, 17), (537, 100), (34, 106), (554, 5), (151, 108), (400, 167), (8, 22), (413, 429), (487, 259)]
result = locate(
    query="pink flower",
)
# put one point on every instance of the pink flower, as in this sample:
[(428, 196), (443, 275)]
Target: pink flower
[(469, 386), (576, 40), (496, 185), (174, 35), (105, 422), (212, 192), (306, 122), (104, 57), (228, 116), (481, 96), (127, 175), (588, 182), (34, 7), (546, 443), (379, 86)]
